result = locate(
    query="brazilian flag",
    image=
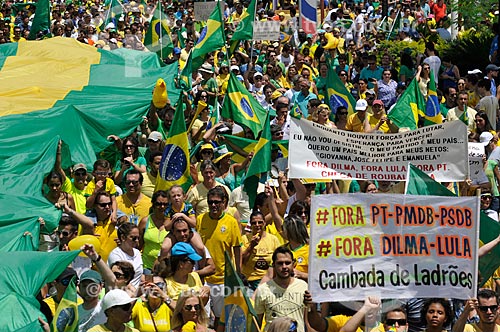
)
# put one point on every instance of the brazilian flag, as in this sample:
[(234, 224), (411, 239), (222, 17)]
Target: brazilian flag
[(238, 314), (432, 108), (66, 316), (242, 146), (406, 111), (244, 30), (338, 95), (242, 107), (157, 38), (174, 166), (212, 37), (260, 163)]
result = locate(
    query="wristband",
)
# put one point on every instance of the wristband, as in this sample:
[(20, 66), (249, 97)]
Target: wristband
[(97, 259)]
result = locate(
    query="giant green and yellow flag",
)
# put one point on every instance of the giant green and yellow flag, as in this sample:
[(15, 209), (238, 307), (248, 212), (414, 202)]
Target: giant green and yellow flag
[(238, 310), (212, 38), (157, 38), (66, 316), (260, 163), (40, 28), (409, 106), (55, 89), (243, 146), (241, 106), (174, 166), (419, 183), (244, 30), (338, 95)]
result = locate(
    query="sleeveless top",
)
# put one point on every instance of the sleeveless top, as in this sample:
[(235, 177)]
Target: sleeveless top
[(153, 238)]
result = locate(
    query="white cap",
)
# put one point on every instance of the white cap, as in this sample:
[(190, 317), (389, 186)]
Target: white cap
[(116, 297), (485, 138), (475, 71), (234, 67), (110, 25), (361, 105)]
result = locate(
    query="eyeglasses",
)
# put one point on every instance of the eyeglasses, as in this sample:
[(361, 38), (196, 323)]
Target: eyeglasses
[(212, 202), (119, 275), (392, 322), (104, 204), (486, 197), (427, 68), (189, 307), (132, 182), (280, 133), (206, 152), (124, 307), (371, 63), (129, 146), (161, 203), (80, 173), (134, 238), (343, 113), (260, 222), (485, 308), (461, 83), (152, 141), (101, 173)]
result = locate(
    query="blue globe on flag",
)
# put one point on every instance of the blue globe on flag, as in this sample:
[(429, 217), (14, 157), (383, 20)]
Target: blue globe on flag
[(173, 163), (245, 106), (235, 318), (337, 101)]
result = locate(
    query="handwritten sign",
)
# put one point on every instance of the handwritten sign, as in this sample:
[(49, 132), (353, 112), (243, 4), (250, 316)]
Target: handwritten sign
[(392, 246)]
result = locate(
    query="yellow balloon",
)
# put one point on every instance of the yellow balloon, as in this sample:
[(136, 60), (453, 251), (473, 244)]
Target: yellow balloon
[(333, 42), (81, 240)]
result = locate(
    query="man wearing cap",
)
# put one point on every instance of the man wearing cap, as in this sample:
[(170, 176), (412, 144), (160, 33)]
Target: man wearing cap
[(90, 312), (378, 120), (455, 113), (491, 74), (60, 284), (355, 122), (117, 306)]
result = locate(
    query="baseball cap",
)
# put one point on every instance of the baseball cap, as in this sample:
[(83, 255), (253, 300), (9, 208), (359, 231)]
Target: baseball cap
[(234, 67), (183, 248), (361, 105), (79, 166), (68, 273), (485, 138), (492, 67), (207, 146), (378, 102), (155, 136), (116, 297), (474, 71), (257, 74), (91, 275)]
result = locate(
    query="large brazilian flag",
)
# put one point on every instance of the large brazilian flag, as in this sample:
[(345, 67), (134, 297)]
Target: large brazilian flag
[(61, 89)]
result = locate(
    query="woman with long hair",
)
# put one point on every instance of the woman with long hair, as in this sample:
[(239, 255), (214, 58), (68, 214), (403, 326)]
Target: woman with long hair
[(55, 195), (189, 311), (130, 159)]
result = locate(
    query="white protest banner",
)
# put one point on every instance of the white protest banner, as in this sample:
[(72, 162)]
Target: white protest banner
[(318, 152), (393, 246), (202, 10), (266, 30), (476, 153)]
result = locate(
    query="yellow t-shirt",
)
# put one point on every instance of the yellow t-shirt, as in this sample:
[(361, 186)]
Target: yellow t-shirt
[(197, 196), (107, 235), (53, 305), (78, 195), (135, 212), (261, 257), (218, 236), (474, 328), (110, 187), (271, 229), (301, 256), (355, 124), (143, 318), (174, 289), (374, 121)]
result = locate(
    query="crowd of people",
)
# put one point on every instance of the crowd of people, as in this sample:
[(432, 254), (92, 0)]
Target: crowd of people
[(157, 261)]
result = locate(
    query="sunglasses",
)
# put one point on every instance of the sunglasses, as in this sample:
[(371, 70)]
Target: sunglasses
[(80, 173), (343, 113), (134, 238), (132, 182), (65, 281), (104, 204), (212, 202), (161, 203), (189, 307), (486, 197), (485, 308), (206, 152), (101, 173), (343, 75), (152, 141), (119, 275), (66, 233), (253, 223), (129, 146), (124, 307), (392, 322)]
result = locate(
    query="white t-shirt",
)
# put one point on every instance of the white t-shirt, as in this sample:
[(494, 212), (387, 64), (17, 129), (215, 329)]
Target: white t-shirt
[(118, 254), (90, 318)]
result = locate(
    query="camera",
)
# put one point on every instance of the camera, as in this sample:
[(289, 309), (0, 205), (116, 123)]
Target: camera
[(224, 129)]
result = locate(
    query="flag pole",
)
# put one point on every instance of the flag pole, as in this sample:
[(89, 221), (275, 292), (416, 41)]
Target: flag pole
[(161, 28)]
